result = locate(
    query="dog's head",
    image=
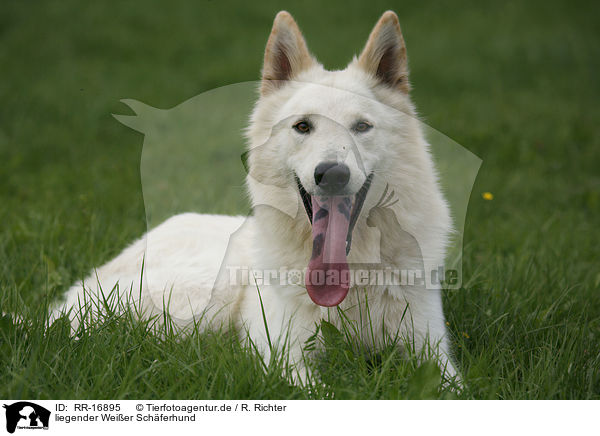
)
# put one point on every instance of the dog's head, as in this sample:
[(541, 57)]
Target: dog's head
[(327, 138)]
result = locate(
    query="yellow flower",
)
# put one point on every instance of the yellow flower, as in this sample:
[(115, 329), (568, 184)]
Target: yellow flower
[(466, 335), (487, 196)]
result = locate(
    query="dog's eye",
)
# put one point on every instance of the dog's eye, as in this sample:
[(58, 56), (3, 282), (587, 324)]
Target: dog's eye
[(302, 127), (362, 126)]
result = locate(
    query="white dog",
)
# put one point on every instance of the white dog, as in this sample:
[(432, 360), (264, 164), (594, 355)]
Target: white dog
[(341, 180)]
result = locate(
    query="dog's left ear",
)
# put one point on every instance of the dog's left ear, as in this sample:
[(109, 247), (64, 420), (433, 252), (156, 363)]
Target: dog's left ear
[(384, 56), (285, 55)]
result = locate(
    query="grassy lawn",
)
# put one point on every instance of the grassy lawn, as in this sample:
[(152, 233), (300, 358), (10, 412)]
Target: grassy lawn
[(516, 83)]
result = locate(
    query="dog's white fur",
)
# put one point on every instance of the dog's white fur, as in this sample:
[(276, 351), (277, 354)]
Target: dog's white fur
[(186, 257)]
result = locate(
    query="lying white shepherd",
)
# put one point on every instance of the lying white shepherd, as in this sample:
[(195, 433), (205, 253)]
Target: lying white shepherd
[(343, 151)]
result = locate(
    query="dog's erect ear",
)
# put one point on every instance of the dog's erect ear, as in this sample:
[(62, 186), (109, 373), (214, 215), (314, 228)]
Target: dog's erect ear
[(286, 53), (384, 56)]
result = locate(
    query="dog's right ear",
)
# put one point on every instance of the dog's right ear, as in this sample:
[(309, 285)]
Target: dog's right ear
[(286, 53)]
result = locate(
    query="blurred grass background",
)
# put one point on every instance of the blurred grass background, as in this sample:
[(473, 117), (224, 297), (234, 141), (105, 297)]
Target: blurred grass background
[(514, 82)]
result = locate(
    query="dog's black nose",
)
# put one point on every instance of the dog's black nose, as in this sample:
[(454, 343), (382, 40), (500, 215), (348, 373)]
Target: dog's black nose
[(332, 176)]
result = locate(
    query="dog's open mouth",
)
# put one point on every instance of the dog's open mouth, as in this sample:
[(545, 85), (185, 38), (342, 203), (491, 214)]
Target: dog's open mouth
[(333, 219)]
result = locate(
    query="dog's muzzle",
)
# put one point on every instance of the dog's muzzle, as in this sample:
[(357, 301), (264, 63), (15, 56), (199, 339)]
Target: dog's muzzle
[(333, 218), (359, 199)]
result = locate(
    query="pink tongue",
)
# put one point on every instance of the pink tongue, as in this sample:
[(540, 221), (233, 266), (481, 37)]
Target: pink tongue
[(327, 276)]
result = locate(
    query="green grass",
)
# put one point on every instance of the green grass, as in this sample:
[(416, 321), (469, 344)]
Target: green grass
[(514, 83)]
